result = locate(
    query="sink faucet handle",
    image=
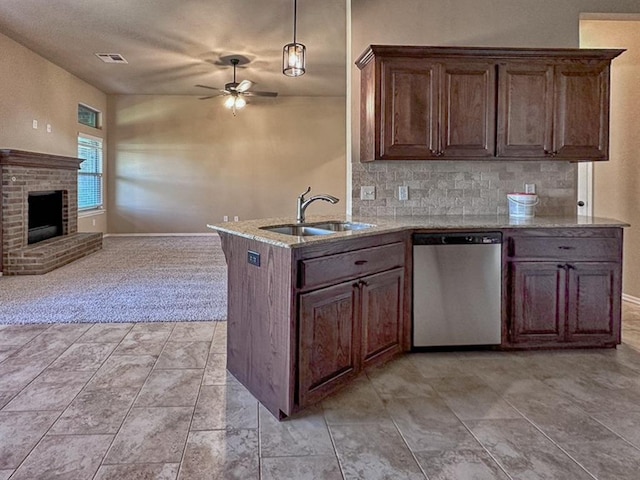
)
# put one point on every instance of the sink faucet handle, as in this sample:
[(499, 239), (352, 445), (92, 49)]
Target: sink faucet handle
[(301, 197)]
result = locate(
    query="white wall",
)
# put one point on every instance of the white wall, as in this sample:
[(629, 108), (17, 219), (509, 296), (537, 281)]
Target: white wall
[(178, 163), (35, 89)]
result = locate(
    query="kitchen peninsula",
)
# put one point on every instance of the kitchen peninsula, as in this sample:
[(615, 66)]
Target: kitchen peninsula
[(307, 311)]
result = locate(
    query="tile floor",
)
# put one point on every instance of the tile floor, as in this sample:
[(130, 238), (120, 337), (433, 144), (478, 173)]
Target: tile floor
[(153, 401)]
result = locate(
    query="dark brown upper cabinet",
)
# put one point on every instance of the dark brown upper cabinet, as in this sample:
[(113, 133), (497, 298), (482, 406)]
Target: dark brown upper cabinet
[(464, 103)]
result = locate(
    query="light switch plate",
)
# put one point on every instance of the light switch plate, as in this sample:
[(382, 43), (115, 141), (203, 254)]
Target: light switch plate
[(529, 188), (403, 192), (368, 193)]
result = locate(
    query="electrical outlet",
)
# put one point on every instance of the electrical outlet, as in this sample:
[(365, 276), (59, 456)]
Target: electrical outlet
[(225, 218), (236, 218), (35, 124), (403, 192), (368, 193), (529, 188), (48, 128), (253, 258)]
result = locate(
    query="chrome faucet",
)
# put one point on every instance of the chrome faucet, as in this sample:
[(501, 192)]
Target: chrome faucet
[(303, 204)]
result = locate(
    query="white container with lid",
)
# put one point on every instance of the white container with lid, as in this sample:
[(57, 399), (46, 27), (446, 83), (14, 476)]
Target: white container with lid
[(522, 205)]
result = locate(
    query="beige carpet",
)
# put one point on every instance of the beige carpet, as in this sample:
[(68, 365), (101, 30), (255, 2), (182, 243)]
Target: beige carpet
[(132, 279)]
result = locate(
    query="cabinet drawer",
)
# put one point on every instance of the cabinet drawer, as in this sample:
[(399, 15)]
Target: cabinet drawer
[(565, 248), (343, 266)]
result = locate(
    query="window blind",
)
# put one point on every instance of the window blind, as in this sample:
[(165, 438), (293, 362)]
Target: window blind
[(90, 174)]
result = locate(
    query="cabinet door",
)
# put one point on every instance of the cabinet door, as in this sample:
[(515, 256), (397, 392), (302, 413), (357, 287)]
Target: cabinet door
[(594, 302), (525, 110), (409, 109), (468, 109), (382, 314), (581, 124), (328, 340), (537, 303)]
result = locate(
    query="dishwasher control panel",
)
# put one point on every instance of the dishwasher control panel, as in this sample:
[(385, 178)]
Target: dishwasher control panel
[(457, 238)]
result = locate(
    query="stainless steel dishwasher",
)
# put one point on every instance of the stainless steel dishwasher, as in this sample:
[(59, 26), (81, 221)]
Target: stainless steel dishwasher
[(456, 289)]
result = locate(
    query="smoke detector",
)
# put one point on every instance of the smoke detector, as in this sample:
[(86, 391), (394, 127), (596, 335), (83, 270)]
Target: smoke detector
[(111, 58)]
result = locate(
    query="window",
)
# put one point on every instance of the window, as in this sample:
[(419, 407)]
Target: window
[(90, 174), (88, 116)]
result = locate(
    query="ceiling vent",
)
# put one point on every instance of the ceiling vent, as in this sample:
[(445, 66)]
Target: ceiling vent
[(111, 58)]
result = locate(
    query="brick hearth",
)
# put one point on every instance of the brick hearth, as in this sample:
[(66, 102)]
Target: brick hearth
[(24, 172)]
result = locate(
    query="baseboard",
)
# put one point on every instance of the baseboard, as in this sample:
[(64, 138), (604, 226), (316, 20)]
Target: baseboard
[(630, 299), (160, 234)]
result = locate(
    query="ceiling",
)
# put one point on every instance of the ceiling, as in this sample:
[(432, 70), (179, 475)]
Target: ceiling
[(171, 45)]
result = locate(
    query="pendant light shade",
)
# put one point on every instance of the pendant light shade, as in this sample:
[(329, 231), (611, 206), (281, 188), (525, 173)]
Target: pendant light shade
[(294, 54)]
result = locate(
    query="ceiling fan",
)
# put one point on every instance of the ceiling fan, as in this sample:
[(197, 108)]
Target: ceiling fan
[(236, 91)]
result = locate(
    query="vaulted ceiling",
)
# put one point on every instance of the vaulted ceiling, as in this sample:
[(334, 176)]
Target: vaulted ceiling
[(171, 45)]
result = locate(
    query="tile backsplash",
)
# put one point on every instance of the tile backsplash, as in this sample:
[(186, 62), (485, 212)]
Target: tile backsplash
[(462, 188)]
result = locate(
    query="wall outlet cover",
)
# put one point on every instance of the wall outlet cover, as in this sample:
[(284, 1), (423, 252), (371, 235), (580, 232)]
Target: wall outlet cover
[(403, 192), (368, 193), (529, 188)]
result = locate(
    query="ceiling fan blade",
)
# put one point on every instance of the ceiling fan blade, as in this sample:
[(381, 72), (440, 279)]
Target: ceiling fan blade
[(244, 85), (207, 98), (261, 94), (210, 88)]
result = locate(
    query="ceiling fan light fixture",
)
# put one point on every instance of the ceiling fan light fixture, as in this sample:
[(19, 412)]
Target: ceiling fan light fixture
[(294, 54), (230, 102), (235, 102), (240, 102)]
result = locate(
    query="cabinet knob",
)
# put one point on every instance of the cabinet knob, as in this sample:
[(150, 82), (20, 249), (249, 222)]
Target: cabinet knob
[(551, 154), (360, 262), (581, 203), (565, 247)]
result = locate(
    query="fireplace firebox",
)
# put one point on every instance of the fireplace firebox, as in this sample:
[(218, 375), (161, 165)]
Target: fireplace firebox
[(45, 215)]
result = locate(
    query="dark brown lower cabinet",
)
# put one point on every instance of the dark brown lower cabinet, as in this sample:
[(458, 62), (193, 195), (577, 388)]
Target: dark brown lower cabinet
[(345, 327), (537, 302), (328, 353), (593, 301), (564, 290), (381, 316)]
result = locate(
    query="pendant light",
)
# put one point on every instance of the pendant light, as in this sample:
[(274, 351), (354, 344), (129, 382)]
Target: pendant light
[(294, 54)]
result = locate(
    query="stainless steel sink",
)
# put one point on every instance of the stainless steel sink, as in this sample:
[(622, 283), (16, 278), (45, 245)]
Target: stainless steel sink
[(297, 230), (342, 226), (312, 229)]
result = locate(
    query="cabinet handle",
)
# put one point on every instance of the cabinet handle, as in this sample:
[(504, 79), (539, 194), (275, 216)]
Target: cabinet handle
[(564, 267), (360, 262), (551, 154), (363, 283), (564, 247), (440, 153)]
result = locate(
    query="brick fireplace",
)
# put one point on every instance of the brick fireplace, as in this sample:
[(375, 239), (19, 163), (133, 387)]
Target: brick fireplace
[(39, 214)]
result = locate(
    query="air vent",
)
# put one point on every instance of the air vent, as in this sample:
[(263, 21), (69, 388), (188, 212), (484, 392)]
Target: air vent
[(111, 58)]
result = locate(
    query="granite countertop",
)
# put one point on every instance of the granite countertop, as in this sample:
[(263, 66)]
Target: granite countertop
[(252, 228)]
